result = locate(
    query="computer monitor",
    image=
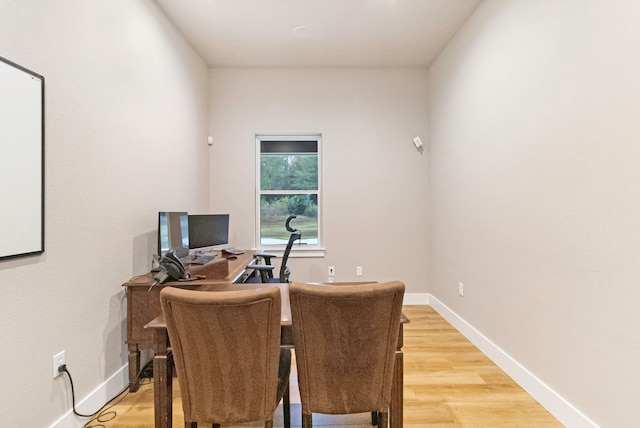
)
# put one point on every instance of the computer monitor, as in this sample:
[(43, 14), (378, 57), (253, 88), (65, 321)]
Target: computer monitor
[(173, 233), (208, 230)]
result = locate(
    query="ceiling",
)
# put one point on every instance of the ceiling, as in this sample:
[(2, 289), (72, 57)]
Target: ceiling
[(334, 33)]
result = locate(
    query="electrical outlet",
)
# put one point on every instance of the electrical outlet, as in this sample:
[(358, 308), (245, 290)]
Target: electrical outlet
[(332, 271), (58, 360), (359, 270), (461, 289)]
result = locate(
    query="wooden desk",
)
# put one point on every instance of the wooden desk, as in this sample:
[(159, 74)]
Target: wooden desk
[(163, 366), (143, 301)]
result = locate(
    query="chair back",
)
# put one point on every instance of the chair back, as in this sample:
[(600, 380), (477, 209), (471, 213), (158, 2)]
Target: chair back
[(345, 339), (226, 351), (284, 269)]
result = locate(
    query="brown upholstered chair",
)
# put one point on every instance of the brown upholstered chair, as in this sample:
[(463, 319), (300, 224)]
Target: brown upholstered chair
[(345, 338), (226, 349)]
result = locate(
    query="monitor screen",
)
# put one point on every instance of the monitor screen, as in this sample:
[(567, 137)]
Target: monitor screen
[(208, 230), (173, 233)]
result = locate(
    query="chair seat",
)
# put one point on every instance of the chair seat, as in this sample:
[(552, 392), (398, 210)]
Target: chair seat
[(258, 280)]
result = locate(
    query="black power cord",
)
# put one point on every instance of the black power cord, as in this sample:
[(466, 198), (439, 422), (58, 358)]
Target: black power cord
[(63, 369), (101, 415)]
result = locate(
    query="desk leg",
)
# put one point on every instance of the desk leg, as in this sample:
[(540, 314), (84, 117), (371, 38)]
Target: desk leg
[(162, 381), (397, 390), (134, 367)]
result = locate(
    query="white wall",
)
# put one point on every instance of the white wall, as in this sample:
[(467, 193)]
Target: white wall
[(126, 128), (534, 178), (374, 181)]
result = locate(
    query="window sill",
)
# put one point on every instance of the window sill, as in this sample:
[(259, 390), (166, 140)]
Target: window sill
[(295, 252)]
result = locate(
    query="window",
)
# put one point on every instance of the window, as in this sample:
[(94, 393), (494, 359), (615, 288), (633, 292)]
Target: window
[(288, 174)]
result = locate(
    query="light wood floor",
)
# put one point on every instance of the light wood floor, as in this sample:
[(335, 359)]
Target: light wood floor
[(448, 382)]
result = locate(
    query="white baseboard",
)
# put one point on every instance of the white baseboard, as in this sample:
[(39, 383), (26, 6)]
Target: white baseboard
[(560, 408), (95, 400), (416, 299)]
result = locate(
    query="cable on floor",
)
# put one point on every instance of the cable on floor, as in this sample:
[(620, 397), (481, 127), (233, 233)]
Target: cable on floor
[(103, 414)]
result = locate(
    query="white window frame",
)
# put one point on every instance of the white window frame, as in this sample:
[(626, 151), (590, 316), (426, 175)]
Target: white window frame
[(305, 250)]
